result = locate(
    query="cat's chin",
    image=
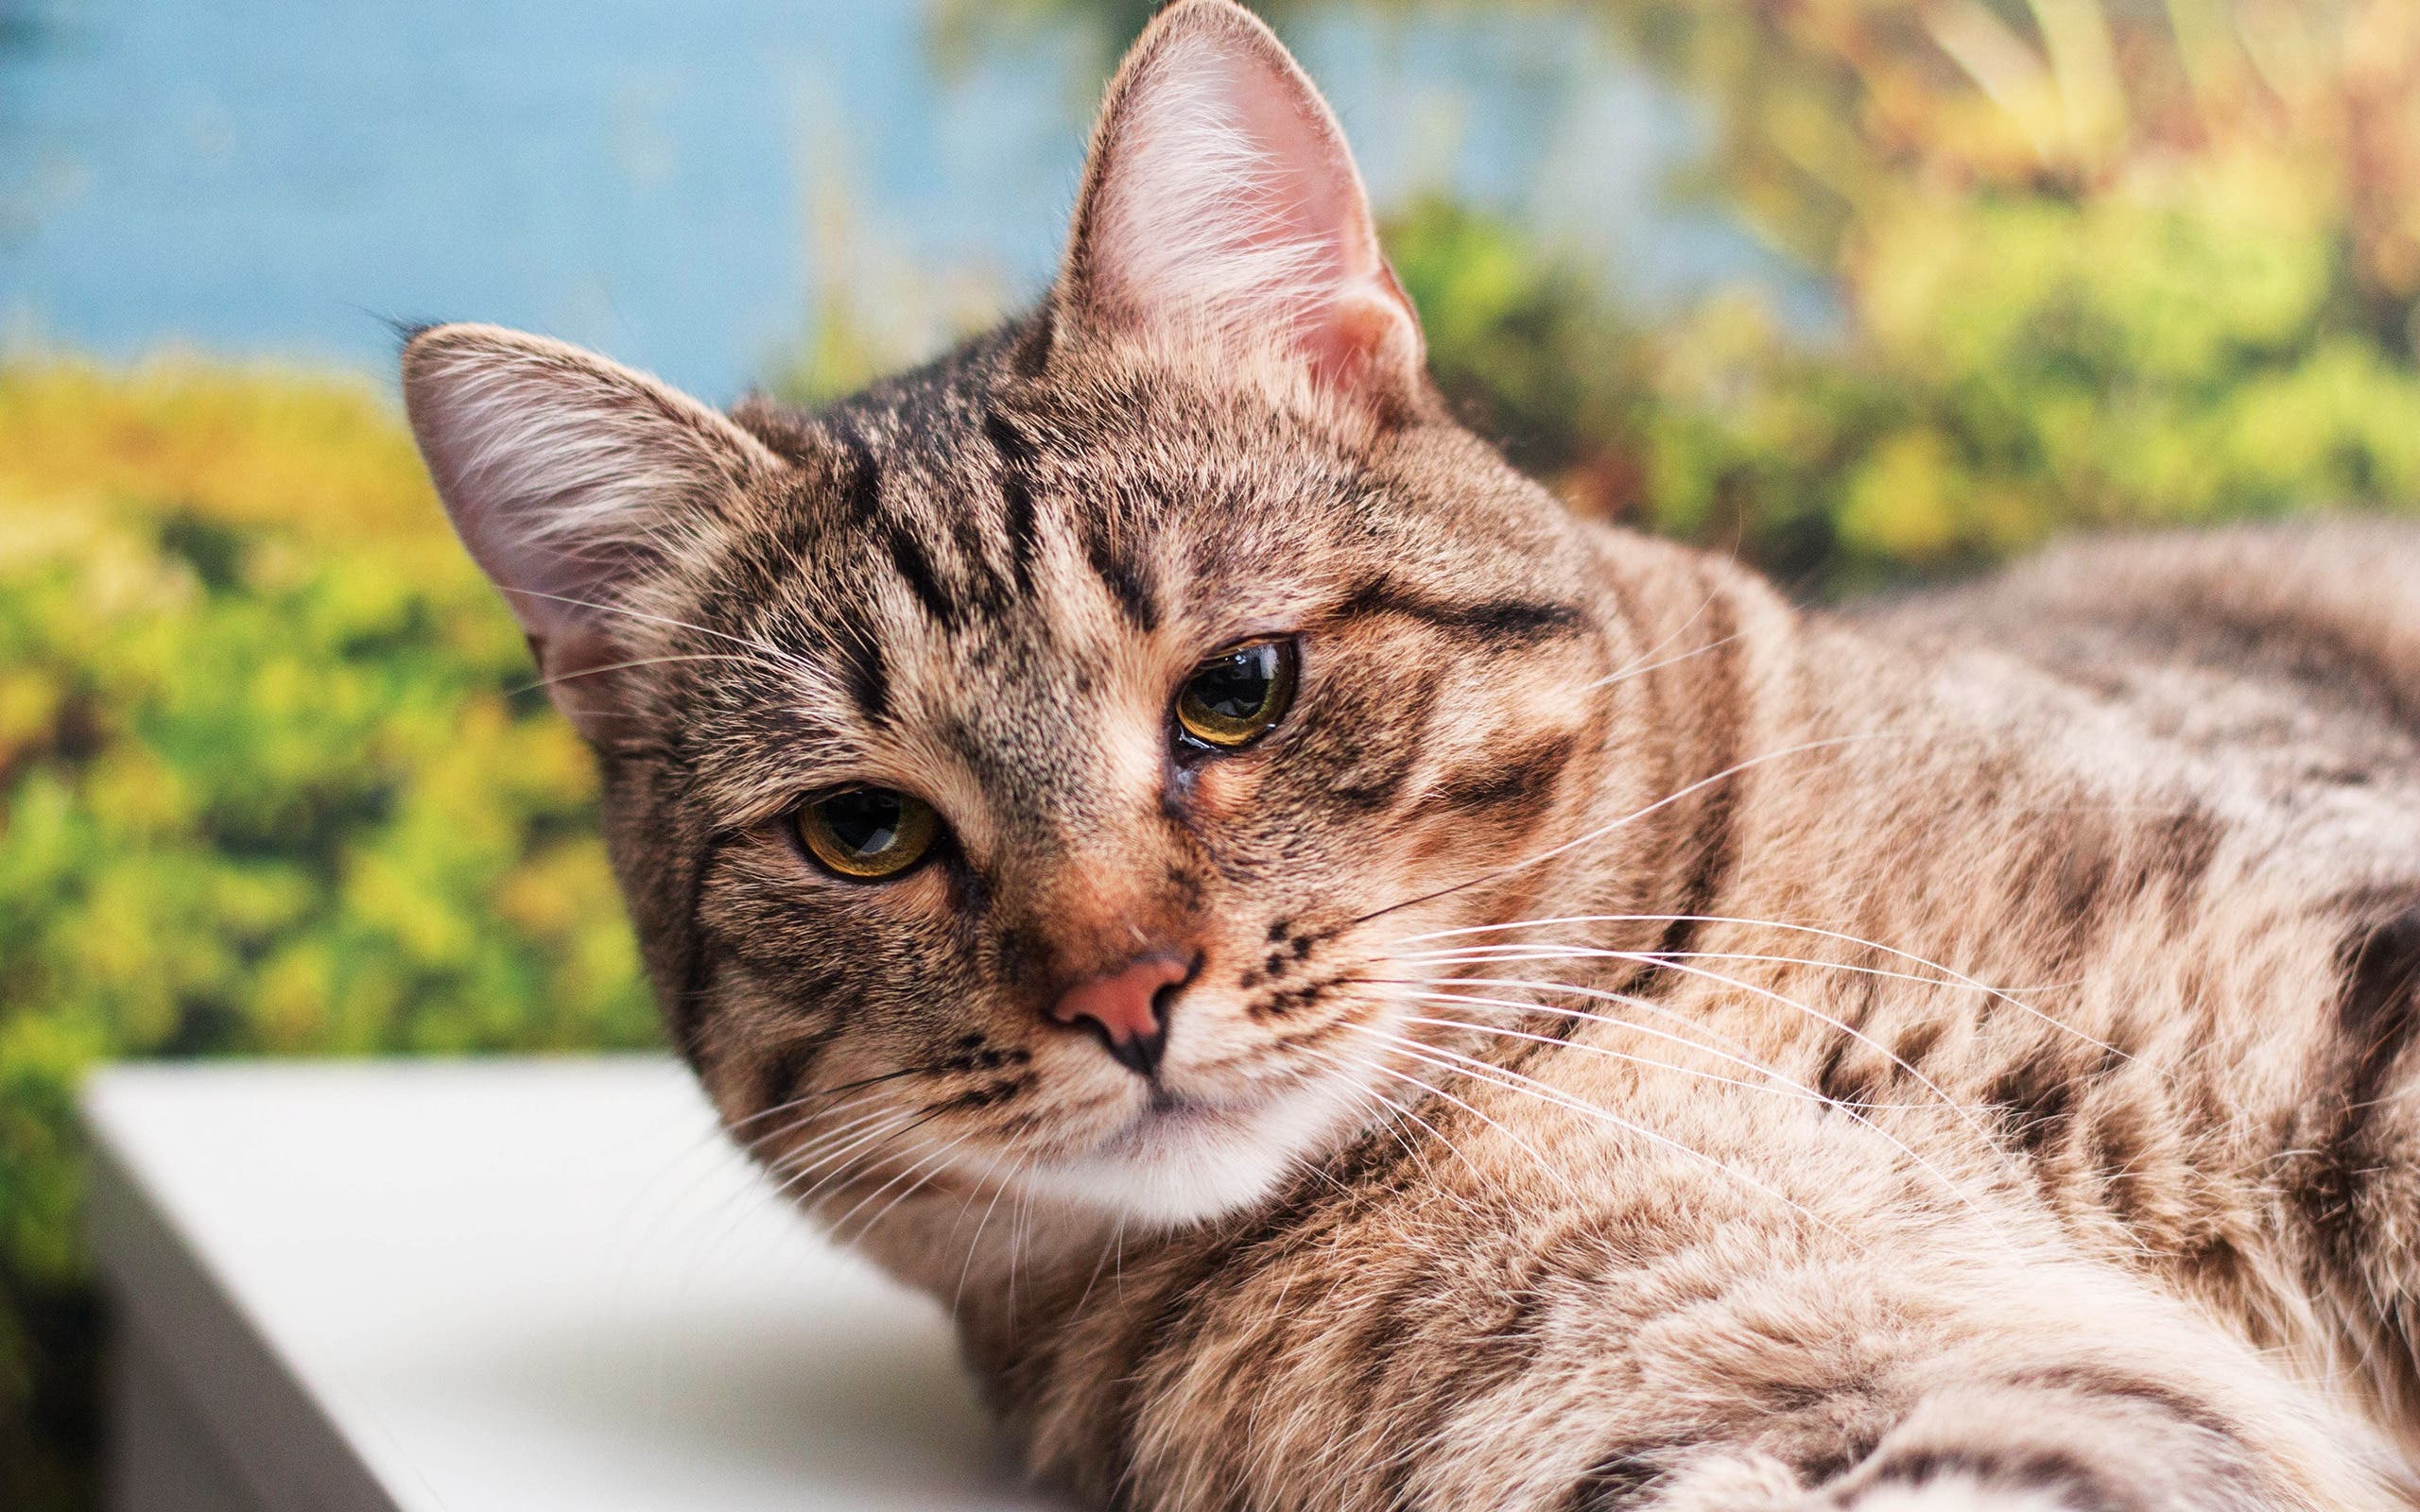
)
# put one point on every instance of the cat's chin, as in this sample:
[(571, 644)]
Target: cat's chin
[(1184, 1162)]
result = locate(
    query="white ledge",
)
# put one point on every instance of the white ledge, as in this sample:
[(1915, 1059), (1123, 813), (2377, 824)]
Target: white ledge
[(511, 1285)]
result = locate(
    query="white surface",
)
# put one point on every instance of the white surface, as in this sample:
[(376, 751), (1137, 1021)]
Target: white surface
[(530, 1285)]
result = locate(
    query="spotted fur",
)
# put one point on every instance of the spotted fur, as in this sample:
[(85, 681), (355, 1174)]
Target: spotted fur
[(1648, 1048)]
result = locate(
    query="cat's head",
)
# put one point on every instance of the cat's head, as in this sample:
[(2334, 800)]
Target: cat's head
[(1029, 769)]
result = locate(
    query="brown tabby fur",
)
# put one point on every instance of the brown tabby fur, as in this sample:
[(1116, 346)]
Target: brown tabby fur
[(1973, 1065)]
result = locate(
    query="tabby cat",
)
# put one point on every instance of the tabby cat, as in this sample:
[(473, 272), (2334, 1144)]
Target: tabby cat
[(1364, 992)]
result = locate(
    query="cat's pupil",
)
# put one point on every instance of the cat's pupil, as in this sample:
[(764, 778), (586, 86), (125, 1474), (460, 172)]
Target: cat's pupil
[(866, 821), (1236, 686)]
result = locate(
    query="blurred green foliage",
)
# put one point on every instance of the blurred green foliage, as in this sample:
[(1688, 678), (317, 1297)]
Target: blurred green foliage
[(2099, 262), (270, 783), (266, 787)]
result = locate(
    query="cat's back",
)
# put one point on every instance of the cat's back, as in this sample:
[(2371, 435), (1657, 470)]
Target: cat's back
[(2275, 668)]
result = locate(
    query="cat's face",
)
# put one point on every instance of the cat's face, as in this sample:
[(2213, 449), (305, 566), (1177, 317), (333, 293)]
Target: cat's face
[(1024, 771)]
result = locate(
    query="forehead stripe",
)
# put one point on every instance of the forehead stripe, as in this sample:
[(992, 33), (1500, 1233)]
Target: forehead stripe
[(1016, 495), (861, 488), (907, 554), (1501, 622), (1124, 578), (869, 676)]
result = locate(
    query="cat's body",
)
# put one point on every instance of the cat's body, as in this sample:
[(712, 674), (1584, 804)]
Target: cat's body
[(1582, 1034), (2182, 821)]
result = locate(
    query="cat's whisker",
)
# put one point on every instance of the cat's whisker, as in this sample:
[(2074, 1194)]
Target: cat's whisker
[(1736, 1054), (825, 1139), (800, 1166), (1590, 836), (917, 1158), (1396, 1115), (1100, 1264), (1780, 1087), (804, 1098), (834, 1161), (789, 1166), (867, 1227), (1514, 1081), (1780, 1084), (802, 1188), (811, 1153), (1956, 976), (975, 1245), (1961, 1110), (1519, 1006), (1020, 1214), (1777, 1082), (1612, 679), (1676, 632), (726, 1134), (1351, 1071), (860, 1165), (1562, 950), (1553, 1010), (773, 655), (790, 1128), (938, 1159), (807, 1123), (562, 679), (1544, 1166)]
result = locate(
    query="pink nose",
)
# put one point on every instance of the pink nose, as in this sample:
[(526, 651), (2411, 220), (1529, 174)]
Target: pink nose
[(1126, 1008)]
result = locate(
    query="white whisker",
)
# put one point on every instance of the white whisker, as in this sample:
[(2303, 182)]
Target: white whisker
[(773, 654), (1952, 972), (1627, 673), (1602, 830), (1780, 1084), (1519, 1006), (938, 1155), (561, 678), (1514, 1081), (1562, 951), (1780, 1087), (1544, 1166)]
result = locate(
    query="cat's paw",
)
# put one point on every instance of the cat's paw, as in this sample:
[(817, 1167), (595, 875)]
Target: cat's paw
[(1758, 1483), (1961, 1491)]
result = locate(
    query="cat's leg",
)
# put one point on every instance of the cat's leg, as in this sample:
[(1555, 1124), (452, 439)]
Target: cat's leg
[(1922, 1363), (1849, 1333), (1938, 1376), (2092, 1439)]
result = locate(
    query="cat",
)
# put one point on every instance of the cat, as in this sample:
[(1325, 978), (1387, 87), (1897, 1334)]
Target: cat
[(1362, 990)]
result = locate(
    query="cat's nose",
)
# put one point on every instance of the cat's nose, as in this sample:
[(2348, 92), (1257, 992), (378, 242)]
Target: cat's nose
[(1128, 1008)]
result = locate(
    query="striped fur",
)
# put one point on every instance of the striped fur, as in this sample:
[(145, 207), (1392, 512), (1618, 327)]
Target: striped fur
[(1653, 1049)]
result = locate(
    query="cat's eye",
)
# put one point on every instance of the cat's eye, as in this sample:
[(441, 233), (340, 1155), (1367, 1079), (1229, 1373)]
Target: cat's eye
[(868, 834), (1236, 696)]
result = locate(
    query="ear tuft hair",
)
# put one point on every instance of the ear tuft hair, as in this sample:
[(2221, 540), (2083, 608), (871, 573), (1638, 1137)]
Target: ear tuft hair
[(569, 477)]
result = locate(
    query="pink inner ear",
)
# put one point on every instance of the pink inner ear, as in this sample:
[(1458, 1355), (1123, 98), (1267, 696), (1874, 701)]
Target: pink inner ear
[(547, 578), (1324, 207), (1312, 194), (1229, 198)]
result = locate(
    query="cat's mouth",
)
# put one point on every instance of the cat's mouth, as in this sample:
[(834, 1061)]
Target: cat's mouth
[(1183, 1155), (1170, 1114)]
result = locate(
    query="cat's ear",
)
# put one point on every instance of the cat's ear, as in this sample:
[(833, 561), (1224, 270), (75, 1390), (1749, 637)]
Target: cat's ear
[(573, 481), (1221, 203)]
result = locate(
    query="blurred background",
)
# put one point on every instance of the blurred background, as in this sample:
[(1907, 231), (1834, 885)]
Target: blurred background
[(1867, 291)]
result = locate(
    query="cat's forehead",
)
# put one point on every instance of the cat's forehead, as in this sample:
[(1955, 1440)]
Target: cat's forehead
[(974, 570), (1017, 514)]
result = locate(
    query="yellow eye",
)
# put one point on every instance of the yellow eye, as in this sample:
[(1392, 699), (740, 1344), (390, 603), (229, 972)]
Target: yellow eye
[(868, 832), (1236, 696)]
